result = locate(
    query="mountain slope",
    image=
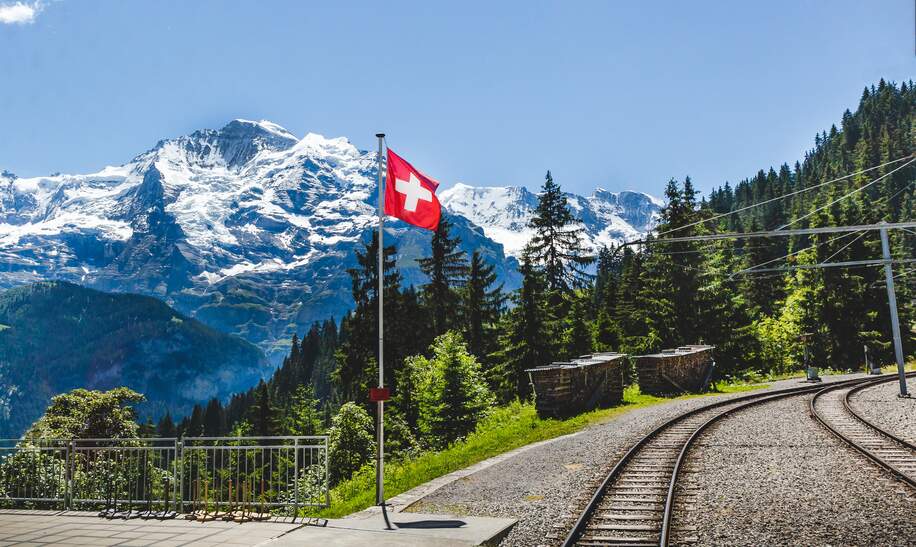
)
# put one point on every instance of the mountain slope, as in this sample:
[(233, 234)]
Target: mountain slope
[(245, 228), (57, 336), (608, 218)]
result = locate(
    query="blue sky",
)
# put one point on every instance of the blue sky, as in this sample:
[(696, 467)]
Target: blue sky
[(623, 95)]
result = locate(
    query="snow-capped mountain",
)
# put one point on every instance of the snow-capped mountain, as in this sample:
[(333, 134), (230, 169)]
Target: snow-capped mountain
[(250, 229), (246, 228), (608, 218)]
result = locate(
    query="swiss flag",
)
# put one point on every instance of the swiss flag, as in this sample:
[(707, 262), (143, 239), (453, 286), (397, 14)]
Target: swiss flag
[(410, 195)]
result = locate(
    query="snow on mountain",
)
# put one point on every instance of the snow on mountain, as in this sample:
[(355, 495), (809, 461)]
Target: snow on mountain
[(251, 230), (608, 218), (245, 228)]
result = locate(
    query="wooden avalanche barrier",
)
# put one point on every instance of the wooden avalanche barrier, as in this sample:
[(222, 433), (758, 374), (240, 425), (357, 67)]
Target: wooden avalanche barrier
[(567, 388), (684, 369)]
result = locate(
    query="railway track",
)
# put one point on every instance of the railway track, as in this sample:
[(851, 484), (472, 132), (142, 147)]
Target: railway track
[(831, 406), (634, 504)]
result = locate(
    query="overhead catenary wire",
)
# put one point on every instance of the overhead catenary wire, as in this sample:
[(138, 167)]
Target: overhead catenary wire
[(881, 283), (846, 264), (793, 253), (780, 233), (784, 196), (847, 195), (900, 191), (844, 247)]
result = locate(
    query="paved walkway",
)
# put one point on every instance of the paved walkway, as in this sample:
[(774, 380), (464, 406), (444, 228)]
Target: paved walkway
[(25, 528)]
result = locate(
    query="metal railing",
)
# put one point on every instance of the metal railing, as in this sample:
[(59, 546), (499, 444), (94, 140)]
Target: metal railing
[(233, 478), (35, 471), (246, 477)]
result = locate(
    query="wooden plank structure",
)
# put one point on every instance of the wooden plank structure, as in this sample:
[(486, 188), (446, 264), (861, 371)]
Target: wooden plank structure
[(683, 369), (567, 388)]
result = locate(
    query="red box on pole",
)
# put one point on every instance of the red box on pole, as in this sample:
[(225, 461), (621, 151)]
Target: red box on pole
[(379, 394)]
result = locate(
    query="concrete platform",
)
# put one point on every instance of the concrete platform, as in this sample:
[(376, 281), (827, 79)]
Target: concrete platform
[(409, 529), (26, 528)]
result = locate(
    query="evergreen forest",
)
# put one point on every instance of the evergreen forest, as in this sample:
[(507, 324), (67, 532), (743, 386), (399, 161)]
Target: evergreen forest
[(459, 345)]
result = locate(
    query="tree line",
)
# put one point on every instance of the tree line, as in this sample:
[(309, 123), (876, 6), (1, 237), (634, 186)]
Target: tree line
[(460, 344)]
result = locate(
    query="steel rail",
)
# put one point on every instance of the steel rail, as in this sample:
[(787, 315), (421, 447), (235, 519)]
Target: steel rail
[(585, 516), (908, 479), (874, 426), (669, 502)]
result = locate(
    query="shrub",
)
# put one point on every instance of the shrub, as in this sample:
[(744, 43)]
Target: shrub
[(351, 441)]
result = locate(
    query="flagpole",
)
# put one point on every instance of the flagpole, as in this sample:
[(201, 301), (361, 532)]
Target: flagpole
[(380, 422)]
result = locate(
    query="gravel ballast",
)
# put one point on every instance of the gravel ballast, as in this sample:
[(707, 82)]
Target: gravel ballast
[(771, 475), (881, 406), (545, 487)]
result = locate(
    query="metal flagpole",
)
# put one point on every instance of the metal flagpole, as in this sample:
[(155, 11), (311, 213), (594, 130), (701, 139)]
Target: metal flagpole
[(379, 417), (892, 303)]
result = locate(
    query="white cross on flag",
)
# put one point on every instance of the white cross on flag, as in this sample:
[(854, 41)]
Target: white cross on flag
[(410, 195)]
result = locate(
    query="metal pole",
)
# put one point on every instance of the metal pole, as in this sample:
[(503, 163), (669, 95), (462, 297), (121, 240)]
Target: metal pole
[(379, 417), (892, 302)]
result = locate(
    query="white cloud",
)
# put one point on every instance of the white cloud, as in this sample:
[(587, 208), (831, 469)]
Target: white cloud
[(19, 13)]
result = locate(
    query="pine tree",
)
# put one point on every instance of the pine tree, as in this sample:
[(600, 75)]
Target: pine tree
[(724, 313), (214, 419), (302, 416), (578, 337), (452, 395), (148, 428), (325, 361), (166, 427), (629, 316), (465, 397), (604, 300), (447, 268), (482, 303), (525, 342), (195, 425), (263, 415), (357, 357), (556, 246), (664, 312)]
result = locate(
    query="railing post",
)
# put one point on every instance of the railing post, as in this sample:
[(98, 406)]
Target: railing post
[(179, 469), (327, 473), (71, 466), (295, 478)]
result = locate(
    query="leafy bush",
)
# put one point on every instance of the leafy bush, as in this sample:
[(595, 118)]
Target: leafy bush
[(351, 441), (84, 413)]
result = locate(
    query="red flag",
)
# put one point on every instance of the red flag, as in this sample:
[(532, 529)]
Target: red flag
[(410, 195)]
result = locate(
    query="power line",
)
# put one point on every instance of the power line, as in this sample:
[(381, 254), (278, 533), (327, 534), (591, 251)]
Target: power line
[(780, 233), (900, 191), (843, 248), (877, 284), (793, 253), (784, 196), (847, 264), (848, 194)]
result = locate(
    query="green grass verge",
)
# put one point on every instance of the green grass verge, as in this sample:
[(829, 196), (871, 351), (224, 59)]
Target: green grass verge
[(505, 429)]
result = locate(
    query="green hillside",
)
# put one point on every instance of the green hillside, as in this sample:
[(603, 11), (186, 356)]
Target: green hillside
[(57, 336)]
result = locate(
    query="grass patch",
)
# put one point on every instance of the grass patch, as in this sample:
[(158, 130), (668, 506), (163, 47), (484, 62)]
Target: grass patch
[(505, 429), (910, 365)]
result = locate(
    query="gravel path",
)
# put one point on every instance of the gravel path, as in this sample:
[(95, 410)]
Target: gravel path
[(771, 475), (881, 406), (545, 488)]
